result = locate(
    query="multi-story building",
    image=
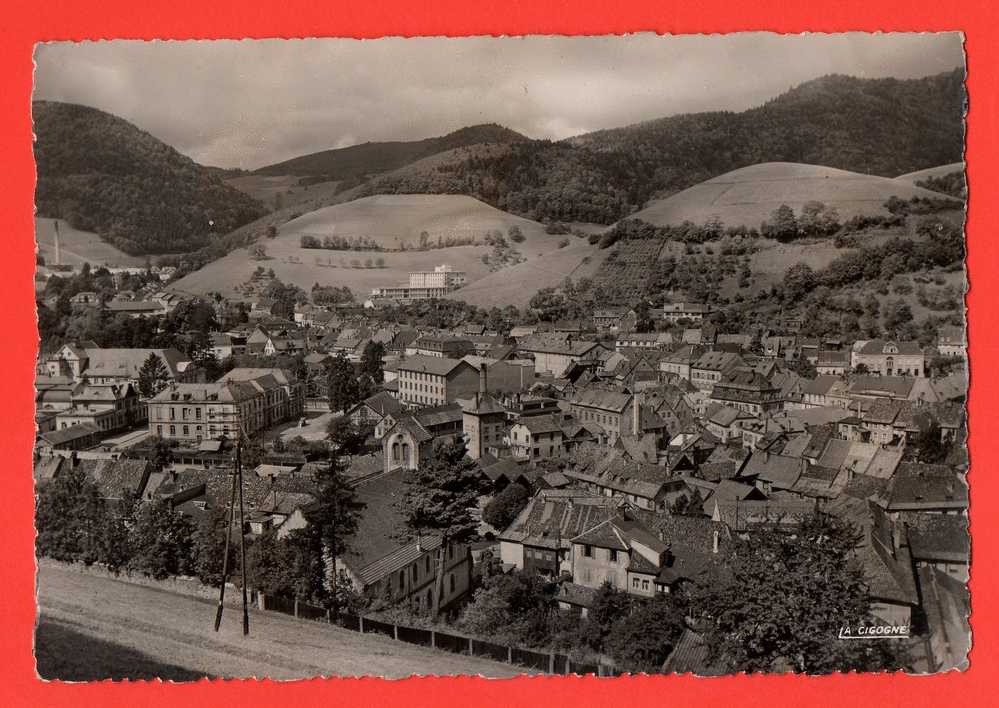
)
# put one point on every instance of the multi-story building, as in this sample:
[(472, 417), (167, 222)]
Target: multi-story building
[(537, 437), (244, 401), (117, 365), (441, 347), (193, 412), (692, 311), (747, 391), (107, 407), (483, 419), (615, 411), (424, 285), (283, 395), (952, 341), (889, 358), (711, 367), (620, 551), (435, 381), (554, 355)]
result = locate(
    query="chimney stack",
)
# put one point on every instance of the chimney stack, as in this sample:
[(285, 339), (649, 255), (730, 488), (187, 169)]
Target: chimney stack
[(636, 413), (483, 385)]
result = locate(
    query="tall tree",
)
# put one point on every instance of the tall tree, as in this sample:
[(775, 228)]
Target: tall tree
[(69, 518), (438, 499), (164, 542), (343, 387), (152, 375), (785, 599), (372, 361), (333, 518)]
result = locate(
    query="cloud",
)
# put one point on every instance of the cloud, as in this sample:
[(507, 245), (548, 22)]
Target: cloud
[(255, 102)]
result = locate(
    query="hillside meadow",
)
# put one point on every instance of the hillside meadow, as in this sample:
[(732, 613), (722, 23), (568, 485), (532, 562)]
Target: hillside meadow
[(78, 247), (748, 196), (392, 221)]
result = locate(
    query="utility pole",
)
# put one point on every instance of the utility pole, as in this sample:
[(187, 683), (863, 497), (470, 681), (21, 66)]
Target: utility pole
[(235, 496)]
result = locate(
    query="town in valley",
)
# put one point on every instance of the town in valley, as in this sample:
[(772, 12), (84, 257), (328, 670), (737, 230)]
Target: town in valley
[(686, 396)]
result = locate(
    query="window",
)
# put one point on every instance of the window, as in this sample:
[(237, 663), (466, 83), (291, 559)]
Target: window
[(634, 583), (645, 585), (159, 430), (588, 551), (402, 581), (187, 430), (197, 413), (613, 555), (173, 429), (451, 576)]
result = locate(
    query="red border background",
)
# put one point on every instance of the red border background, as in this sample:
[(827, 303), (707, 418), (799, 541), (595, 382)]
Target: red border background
[(26, 23)]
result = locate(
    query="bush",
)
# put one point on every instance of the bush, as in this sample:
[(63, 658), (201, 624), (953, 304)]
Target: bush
[(503, 509), (563, 243)]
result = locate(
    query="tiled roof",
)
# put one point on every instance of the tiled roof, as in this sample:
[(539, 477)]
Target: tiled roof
[(877, 346), (73, 432), (603, 398), (436, 366), (554, 516), (938, 537), (690, 656), (920, 486)]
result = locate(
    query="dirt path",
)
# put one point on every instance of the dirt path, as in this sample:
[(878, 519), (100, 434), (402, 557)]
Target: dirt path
[(95, 628)]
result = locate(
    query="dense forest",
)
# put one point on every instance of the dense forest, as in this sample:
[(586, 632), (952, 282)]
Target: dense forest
[(103, 174), (885, 127), (372, 158)]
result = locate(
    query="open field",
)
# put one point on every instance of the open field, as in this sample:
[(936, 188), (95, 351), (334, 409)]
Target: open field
[(516, 285), (79, 247), (940, 171), (392, 220), (265, 188), (749, 195), (93, 628)]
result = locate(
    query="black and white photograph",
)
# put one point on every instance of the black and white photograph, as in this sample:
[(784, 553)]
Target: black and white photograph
[(501, 356)]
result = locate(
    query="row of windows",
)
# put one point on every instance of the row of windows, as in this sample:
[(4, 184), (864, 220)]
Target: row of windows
[(590, 552), (644, 583)]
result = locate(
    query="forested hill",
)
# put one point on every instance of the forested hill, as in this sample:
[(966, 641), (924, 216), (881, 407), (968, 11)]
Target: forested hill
[(358, 161), (103, 174), (884, 127)]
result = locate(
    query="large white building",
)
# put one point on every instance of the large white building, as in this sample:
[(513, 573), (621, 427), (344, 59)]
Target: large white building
[(423, 285)]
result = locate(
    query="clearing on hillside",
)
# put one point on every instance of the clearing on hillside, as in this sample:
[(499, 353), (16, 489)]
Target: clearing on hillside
[(79, 247), (940, 171), (390, 222), (749, 195), (266, 188)]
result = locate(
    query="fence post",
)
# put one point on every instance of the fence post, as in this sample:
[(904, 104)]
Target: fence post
[(470, 652), (568, 669), (360, 624), (509, 655), (329, 616), (551, 663), (395, 632), (433, 639), (261, 601), (296, 607)]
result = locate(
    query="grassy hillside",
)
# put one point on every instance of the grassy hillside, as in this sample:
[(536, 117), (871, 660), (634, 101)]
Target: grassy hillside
[(747, 196), (938, 171), (103, 174), (391, 221), (882, 127), (78, 247), (372, 158)]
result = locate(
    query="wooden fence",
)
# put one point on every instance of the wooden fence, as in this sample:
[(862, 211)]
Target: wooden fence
[(546, 662)]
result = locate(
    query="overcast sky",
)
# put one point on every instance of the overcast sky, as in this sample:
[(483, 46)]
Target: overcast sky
[(252, 103)]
